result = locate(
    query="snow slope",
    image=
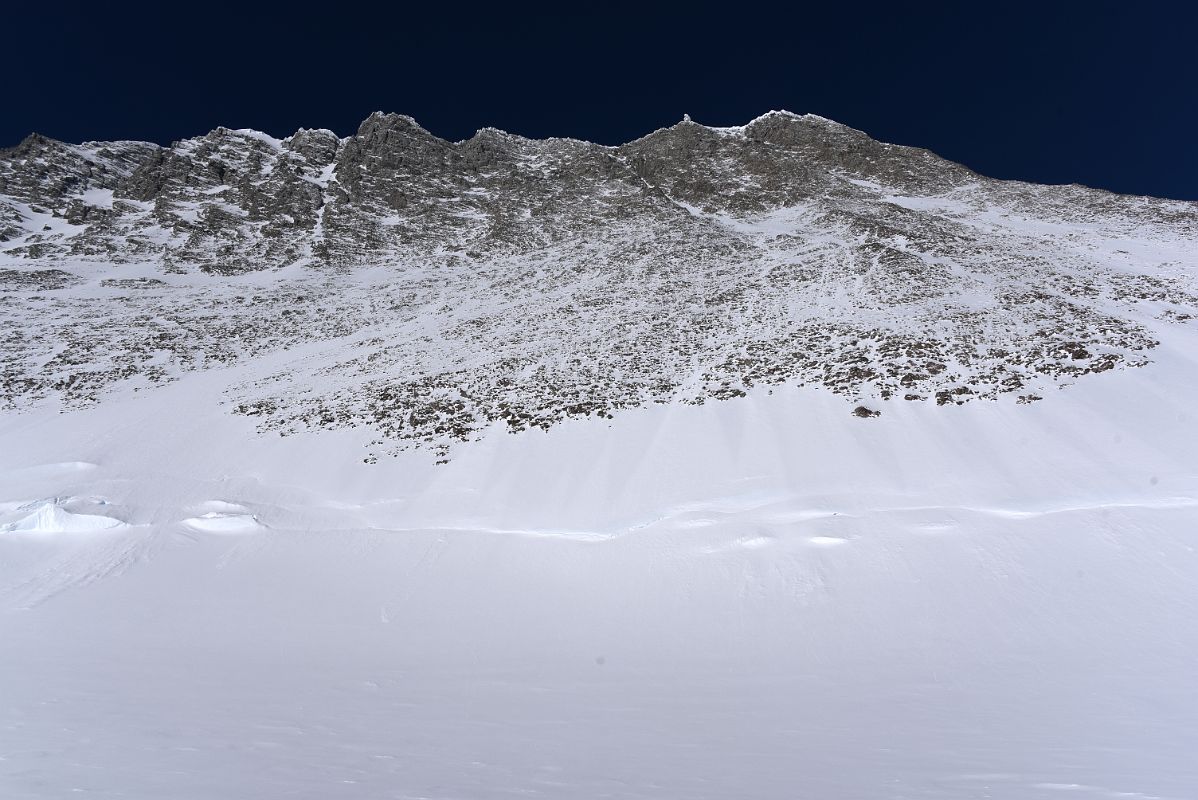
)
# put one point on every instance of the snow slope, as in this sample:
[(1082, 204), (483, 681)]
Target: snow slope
[(758, 598)]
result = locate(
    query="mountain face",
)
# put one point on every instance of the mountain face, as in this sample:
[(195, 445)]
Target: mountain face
[(430, 289)]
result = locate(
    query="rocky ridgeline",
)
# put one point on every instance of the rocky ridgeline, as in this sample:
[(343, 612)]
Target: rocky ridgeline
[(431, 289)]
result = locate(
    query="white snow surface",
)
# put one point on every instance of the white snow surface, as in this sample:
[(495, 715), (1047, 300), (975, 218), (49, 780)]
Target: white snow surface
[(761, 598)]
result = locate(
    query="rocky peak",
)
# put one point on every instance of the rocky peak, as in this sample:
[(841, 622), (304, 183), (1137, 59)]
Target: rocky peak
[(390, 130), (317, 147), (389, 152), (840, 148), (489, 148), (32, 144), (45, 171), (794, 131)]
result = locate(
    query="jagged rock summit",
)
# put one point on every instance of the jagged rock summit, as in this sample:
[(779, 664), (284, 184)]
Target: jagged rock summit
[(434, 289)]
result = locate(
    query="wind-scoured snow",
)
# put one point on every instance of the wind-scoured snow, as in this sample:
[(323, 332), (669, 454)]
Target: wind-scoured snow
[(765, 462)]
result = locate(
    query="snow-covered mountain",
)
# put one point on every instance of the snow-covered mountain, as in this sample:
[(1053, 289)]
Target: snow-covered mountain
[(766, 461), (430, 289)]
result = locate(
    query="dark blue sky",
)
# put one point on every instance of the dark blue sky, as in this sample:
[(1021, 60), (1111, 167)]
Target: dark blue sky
[(1101, 93)]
